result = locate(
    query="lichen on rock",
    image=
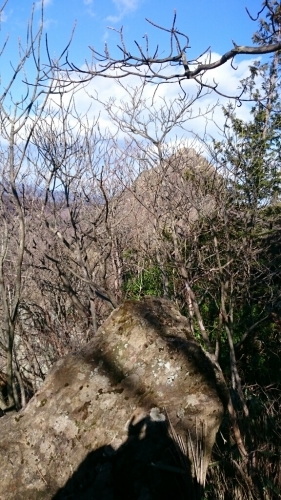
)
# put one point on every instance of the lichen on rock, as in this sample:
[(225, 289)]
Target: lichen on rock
[(105, 423)]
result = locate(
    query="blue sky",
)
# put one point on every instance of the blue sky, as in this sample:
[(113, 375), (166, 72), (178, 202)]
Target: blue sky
[(206, 22), (212, 23)]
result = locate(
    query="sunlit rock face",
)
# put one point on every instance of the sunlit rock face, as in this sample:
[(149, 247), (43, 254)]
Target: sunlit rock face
[(107, 420)]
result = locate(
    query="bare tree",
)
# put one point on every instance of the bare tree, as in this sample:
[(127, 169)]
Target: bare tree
[(75, 168), (20, 115)]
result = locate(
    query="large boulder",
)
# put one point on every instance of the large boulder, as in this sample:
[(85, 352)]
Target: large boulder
[(133, 415)]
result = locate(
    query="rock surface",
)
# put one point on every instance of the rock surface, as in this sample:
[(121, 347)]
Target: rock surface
[(104, 424)]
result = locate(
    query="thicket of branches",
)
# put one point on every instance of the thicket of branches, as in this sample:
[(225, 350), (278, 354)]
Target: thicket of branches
[(90, 218)]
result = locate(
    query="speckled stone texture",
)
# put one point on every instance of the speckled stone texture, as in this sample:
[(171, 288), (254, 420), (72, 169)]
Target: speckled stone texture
[(99, 428)]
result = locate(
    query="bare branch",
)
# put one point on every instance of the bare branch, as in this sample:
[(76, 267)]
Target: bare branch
[(148, 65)]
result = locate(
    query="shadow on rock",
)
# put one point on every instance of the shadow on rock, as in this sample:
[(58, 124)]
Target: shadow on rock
[(148, 466)]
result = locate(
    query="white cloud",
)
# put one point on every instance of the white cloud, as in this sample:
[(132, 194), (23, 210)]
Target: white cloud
[(123, 7), (3, 17), (38, 4), (126, 5), (49, 22), (89, 10)]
